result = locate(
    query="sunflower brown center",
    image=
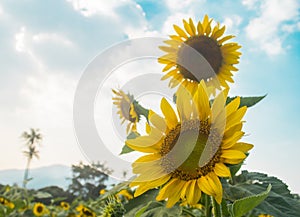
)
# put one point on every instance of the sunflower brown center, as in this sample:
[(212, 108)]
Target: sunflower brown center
[(87, 212), (125, 108), (39, 209), (197, 68), (190, 150)]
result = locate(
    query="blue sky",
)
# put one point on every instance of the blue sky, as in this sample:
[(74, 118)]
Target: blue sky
[(45, 46)]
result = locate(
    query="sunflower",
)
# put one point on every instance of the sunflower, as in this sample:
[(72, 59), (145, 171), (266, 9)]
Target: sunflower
[(113, 207), (85, 211), (207, 40), (39, 209), (187, 151), (264, 215), (126, 194), (102, 191), (7, 203), (65, 205), (127, 112)]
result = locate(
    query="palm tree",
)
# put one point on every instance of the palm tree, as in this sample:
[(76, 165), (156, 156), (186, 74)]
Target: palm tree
[(32, 139)]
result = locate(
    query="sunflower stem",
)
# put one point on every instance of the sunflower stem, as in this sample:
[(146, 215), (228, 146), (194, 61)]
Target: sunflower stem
[(216, 207), (207, 206), (140, 110), (188, 212)]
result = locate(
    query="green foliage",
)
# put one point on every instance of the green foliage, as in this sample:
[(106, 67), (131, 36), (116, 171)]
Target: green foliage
[(280, 201), (88, 180), (138, 203), (32, 139), (126, 149), (244, 205), (247, 101), (157, 209)]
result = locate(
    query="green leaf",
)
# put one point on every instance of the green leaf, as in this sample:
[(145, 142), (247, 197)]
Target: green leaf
[(234, 168), (244, 205), (133, 135), (137, 203), (127, 149), (141, 211), (247, 101), (224, 208), (157, 209), (280, 201)]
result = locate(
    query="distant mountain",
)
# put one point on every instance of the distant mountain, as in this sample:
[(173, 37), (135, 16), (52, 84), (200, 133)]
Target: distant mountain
[(42, 177), (54, 175)]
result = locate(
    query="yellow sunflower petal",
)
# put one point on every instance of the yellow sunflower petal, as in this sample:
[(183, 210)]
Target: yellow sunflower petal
[(192, 26), (144, 144), (183, 103), (215, 183), (204, 185), (218, 105), (174, 196), (242, 146), (228, 143), (202, 101), (188, 28), (169, 113), (236, 117), (200, 28), (168, 49), (226, 38), (219, 33), (169, 74), (232, 130), (157, 121), (232, 154), (232, 106), (221, 170), (180, 32), (168, 66), (193, 193), (145, 186)]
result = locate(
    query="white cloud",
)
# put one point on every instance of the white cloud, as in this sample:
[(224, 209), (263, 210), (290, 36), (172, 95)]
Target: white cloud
[(54, 37), (232, 23), (289, 28), (175, 18), (20, 37), (265, 30), (92, 7), (250, 4), (179, 5), (51, 57), (1, 10)]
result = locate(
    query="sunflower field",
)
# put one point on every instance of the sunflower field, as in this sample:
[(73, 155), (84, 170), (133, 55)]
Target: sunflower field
[(192, 151)]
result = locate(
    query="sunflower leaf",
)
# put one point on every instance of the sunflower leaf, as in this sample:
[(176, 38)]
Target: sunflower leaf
[(126, 149), (246, 204), (157, 209), (280, 201), (141, 211), (235, 168), (136, 204), (247, 101)]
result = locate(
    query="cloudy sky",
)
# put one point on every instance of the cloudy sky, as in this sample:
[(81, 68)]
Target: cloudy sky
[(46, 45)]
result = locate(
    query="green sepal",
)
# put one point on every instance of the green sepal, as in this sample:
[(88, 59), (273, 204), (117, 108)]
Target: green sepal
[(248, 101)]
